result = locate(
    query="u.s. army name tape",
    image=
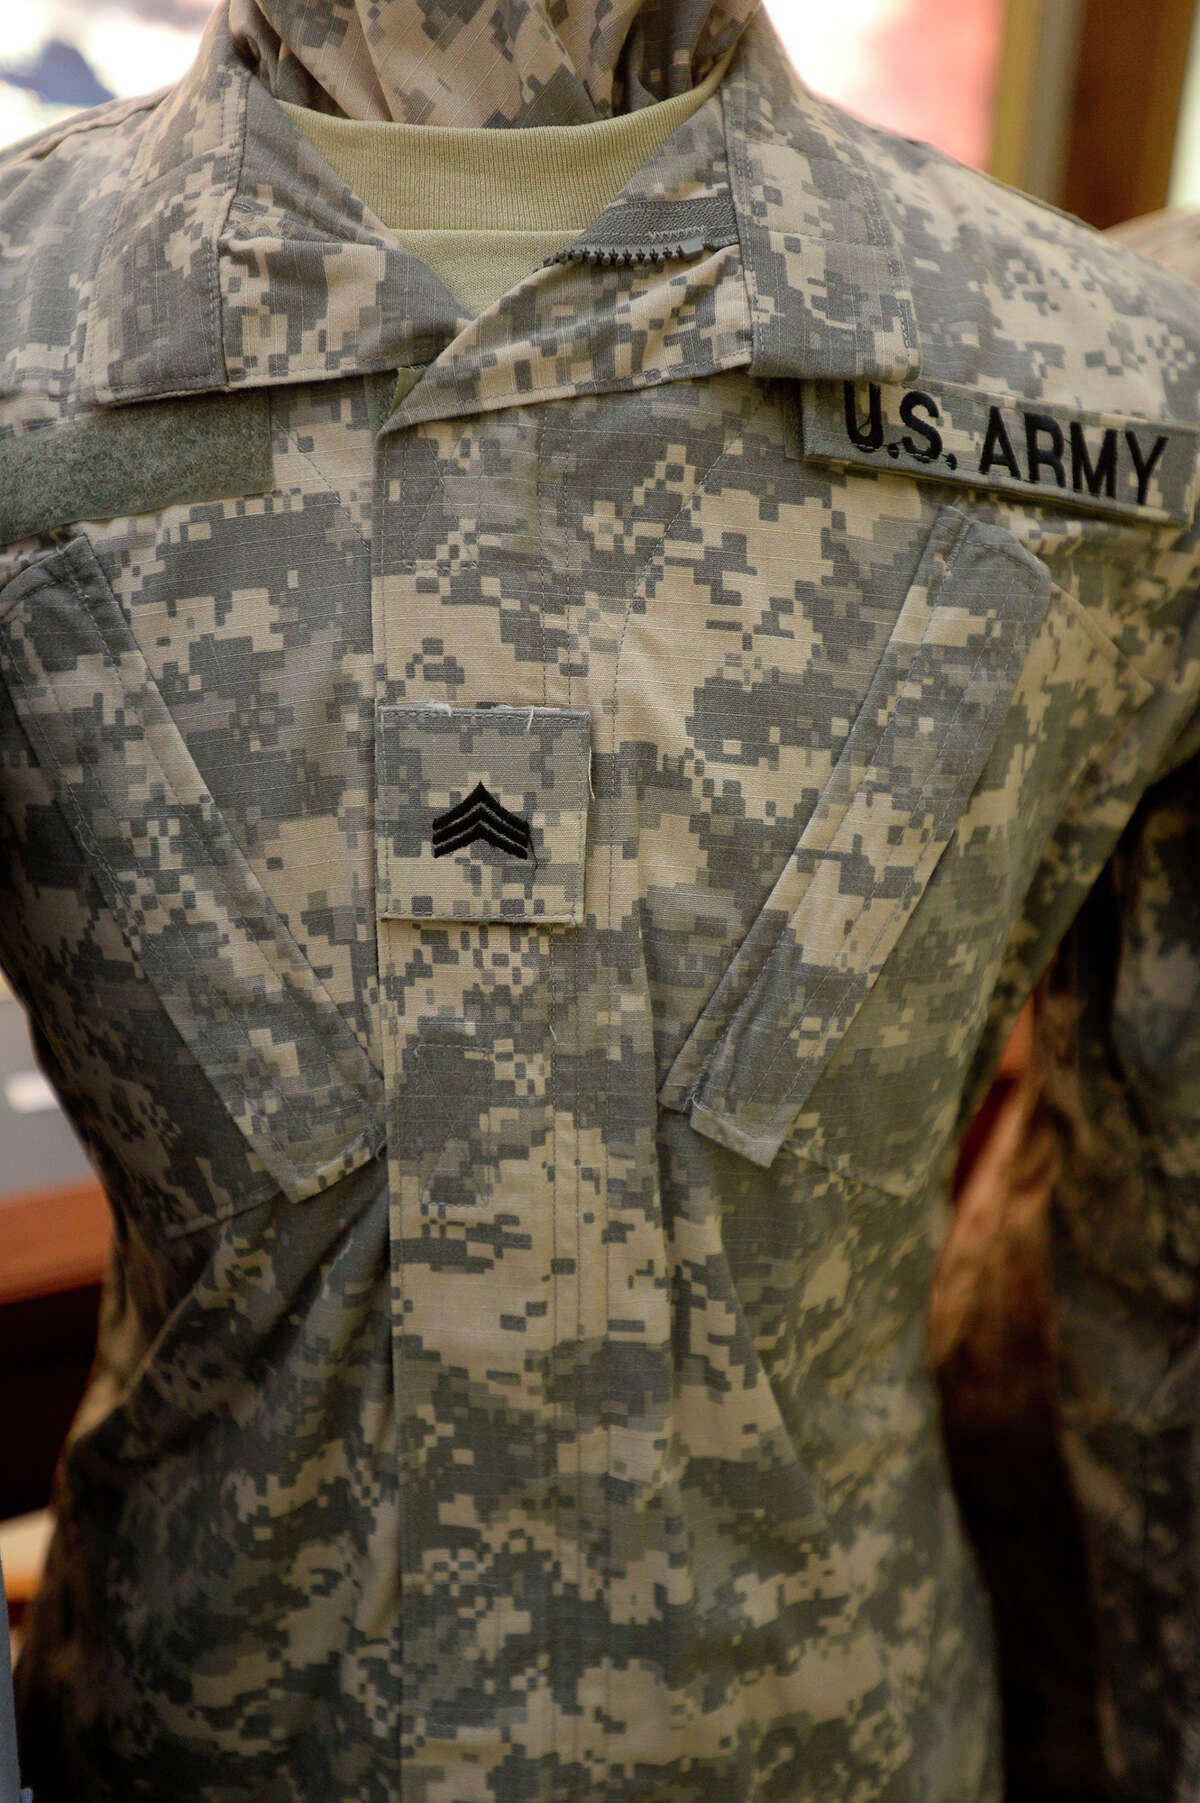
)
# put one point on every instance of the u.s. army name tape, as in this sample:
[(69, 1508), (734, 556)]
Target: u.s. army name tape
[(1103, 462)]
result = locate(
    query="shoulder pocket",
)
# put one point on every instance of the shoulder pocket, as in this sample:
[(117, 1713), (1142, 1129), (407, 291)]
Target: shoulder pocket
[(252, 1011), (931, 721)]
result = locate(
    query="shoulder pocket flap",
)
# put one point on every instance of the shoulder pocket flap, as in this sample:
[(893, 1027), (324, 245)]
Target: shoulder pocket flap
[(269, 1037), (916, 750)]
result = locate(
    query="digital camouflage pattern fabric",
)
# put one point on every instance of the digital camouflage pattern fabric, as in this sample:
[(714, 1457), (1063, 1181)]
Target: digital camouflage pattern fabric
[(494, 64), (512, 1381)]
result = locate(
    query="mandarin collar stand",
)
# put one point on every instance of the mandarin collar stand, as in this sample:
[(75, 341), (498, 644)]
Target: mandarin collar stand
[(484, 62)]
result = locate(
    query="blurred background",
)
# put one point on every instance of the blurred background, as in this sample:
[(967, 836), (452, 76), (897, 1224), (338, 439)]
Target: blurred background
[(1094, 105)]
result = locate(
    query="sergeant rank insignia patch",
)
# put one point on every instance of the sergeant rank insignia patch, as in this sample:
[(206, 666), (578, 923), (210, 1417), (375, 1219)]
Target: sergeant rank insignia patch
[(498, 795), (1106, 463), (481, 816)]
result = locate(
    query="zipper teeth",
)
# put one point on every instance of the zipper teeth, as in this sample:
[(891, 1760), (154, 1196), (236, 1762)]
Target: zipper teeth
[(623, 255)]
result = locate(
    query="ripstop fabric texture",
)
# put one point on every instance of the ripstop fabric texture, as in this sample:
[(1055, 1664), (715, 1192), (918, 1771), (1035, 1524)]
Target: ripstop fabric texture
[(519, 899)]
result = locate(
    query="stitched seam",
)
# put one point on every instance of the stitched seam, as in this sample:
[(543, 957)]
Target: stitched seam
[(608, 1140), (578, 1216), (33, 577), (438, 492), (237, 161), (570, 624), (900, 903), (36, 732), (737, 158), (703, 1043), (543, 560), (645, 378), (332, 1025), (545, 1472), (119, 885), (387, 1014), (550, 945), (212, 280), (638, 589), (759, 980), (290, 438), (576, 905), (914, 887)]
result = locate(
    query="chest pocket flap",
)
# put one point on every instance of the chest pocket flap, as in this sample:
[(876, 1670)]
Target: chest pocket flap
[(249, 1006), (934, 708)]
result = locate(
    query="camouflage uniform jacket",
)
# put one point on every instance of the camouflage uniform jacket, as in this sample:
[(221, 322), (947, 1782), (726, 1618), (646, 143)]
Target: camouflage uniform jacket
[(518, 882)]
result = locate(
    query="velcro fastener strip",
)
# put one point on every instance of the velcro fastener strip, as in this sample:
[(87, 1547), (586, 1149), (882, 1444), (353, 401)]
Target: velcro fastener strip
[(135, 459)]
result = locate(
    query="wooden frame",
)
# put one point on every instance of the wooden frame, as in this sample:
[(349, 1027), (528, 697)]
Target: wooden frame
[(1125, 116), (1087, 102), (1035, 85)]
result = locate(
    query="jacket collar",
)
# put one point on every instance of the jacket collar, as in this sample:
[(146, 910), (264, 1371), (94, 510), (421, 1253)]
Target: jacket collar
[(237, 258), (488, 62), (830, 293)]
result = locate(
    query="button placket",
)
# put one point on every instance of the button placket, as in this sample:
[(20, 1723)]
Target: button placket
[(480, 831)]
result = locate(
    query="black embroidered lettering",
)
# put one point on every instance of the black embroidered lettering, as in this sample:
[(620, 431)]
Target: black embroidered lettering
[(872, 437), (481, 816), (932, 447), (1099, 478), (1037, 427), (1145, 469), (997, 446)]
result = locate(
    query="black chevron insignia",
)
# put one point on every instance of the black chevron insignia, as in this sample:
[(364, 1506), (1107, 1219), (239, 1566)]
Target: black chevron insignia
[(481, 816)]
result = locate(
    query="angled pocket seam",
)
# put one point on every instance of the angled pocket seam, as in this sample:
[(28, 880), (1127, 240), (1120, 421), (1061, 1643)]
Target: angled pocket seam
[(878, 831), (917, 879), (326, 1029), (250, 914)]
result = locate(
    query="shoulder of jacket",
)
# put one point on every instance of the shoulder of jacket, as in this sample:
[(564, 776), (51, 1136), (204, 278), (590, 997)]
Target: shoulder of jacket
[(59, 192), (90, 127), (891, 253), (1014, 293), (62, 458)]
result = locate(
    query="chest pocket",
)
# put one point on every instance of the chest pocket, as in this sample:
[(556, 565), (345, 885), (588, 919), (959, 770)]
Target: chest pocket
[(989, 669), (249, 1007)]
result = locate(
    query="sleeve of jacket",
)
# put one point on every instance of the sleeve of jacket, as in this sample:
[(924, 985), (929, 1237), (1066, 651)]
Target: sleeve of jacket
[(1119, 1042)]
